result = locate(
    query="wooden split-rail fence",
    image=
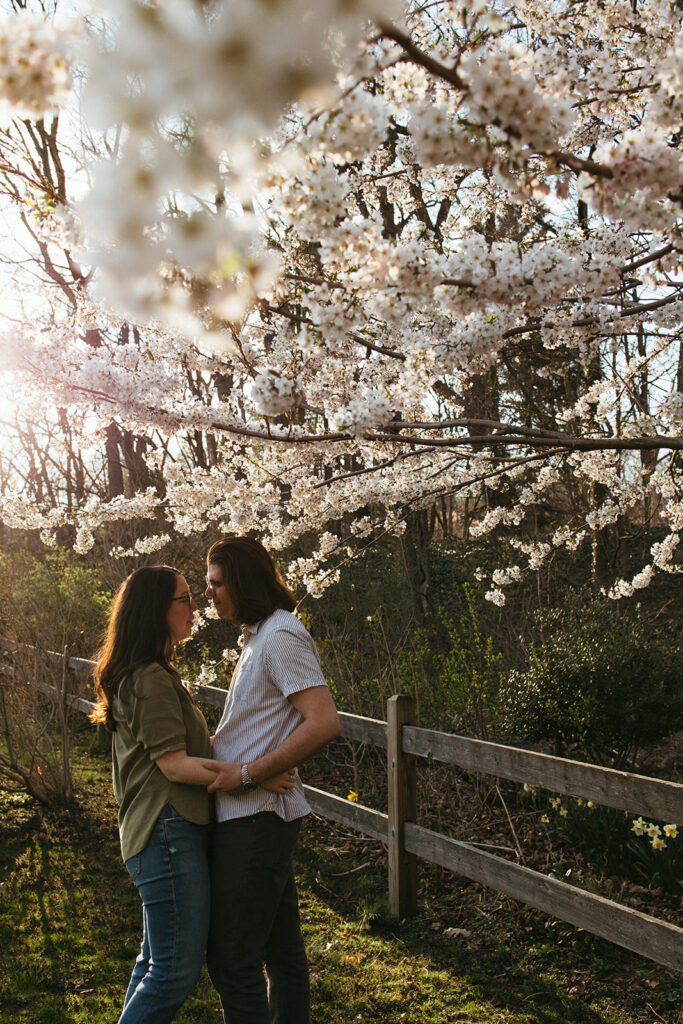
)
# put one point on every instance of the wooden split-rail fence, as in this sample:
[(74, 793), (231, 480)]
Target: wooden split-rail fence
[(407, 842)]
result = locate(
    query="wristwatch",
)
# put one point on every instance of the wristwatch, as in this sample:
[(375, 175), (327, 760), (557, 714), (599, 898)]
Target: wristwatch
[(247, 783)]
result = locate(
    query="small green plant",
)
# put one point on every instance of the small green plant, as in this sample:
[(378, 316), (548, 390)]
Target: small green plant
[(657, 850), (456, 679), (374, 913), (613, 840)]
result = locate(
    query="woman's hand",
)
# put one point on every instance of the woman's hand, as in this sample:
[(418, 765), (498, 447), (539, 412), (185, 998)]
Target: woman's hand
[(227, 777), (281, 783)]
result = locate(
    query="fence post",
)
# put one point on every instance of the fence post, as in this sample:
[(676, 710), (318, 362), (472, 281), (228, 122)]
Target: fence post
[(64, 725), (402, 808)]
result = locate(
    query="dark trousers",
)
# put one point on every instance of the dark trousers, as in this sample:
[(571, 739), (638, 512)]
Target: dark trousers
[(255, 921)]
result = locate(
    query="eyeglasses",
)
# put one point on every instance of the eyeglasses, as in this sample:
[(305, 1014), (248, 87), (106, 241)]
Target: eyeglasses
[(187, 598)]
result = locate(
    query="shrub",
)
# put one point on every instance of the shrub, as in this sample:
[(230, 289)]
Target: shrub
[(599, 682), (46, 603)]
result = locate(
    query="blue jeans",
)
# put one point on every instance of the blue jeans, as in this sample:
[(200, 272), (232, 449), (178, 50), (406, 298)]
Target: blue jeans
[(172, 877)]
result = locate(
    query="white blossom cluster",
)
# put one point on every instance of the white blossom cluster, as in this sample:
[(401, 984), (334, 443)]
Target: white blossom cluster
[(148, 71), (393, 258), (663, 554), (259, 56), (313, 201), (500, 578), (361, 129), (669, 100), (366, 411), (97, 512), (143, 546), (35, 77), (271, 393), (58, 226), (644, 170), (502, 91)]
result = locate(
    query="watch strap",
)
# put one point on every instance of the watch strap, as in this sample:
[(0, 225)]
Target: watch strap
[(247, 781)]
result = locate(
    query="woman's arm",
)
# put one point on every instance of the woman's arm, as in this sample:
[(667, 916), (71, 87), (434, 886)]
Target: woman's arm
[(178, 766)]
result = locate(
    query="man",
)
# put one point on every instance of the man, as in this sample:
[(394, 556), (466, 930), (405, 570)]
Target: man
[(278, 712)]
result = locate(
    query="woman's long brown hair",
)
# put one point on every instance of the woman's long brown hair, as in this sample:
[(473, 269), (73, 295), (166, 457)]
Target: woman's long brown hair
[(137, 634)]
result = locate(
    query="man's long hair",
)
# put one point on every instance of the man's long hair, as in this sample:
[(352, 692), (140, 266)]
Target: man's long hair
[(253, 581), (137, 634)]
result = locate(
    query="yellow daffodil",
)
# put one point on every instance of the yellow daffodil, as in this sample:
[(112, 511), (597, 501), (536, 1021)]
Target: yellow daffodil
[(353, 797), (670, 831), (658, 844), (653, 830)]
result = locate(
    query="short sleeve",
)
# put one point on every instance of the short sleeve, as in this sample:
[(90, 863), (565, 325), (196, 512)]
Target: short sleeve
[(155, 712), (292, 661)]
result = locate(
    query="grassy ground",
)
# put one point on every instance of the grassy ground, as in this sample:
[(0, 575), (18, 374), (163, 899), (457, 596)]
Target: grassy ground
[(70, 921)]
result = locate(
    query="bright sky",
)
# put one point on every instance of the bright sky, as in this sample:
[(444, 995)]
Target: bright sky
[(17, 300)]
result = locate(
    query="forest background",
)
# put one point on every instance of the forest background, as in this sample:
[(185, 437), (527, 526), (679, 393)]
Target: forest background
[(395, 287)]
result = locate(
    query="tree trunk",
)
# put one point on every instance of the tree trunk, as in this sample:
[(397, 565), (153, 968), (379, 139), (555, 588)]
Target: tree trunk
[(416, 549), (114, 468)]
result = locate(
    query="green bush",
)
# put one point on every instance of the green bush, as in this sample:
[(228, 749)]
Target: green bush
[(52, 600), (598, 682)]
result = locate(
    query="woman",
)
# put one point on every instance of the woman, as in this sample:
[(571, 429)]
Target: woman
[(159, 741)]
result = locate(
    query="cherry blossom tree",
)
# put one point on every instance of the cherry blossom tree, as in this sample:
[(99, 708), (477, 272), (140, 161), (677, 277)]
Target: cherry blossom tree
[(347, 259)]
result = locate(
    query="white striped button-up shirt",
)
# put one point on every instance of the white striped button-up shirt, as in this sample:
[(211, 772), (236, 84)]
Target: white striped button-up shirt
[(278, 659)]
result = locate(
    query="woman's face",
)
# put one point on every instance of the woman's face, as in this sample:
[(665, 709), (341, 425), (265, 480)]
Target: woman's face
[(180, 615)]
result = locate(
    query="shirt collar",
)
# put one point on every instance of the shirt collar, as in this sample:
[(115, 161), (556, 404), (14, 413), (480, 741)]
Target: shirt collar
[(249, 629)]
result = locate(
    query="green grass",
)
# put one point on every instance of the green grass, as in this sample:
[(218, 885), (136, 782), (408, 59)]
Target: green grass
[(70, 923)]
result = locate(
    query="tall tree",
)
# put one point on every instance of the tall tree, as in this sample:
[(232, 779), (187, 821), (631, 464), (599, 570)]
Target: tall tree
[(434, 248)]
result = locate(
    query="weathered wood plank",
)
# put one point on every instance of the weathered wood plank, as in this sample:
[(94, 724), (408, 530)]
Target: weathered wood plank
[(210, 695), (81, 666), (402, 805), (367, 730), (363, 819), (79, 703), (625, 790), (47, 656), (638, 932)]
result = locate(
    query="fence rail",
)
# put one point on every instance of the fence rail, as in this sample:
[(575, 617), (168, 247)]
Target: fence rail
[(406, 840), (623, 790)]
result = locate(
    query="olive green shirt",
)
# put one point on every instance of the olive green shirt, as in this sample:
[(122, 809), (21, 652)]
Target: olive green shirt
[(154, 715)]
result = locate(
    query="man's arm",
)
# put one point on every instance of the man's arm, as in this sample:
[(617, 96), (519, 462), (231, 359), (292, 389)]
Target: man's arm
[(320, 725), (179, 766)]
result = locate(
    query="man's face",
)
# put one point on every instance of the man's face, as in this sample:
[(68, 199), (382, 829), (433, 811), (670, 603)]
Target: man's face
[(219, 593)]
